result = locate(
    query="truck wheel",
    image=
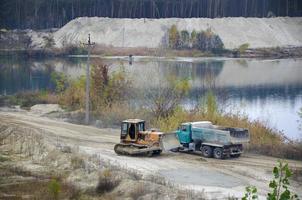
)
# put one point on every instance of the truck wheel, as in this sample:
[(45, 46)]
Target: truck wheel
[(218, 153), (207, 151)]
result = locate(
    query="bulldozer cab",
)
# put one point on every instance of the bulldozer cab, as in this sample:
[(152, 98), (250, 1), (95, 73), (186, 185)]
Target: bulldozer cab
[(130, 129)]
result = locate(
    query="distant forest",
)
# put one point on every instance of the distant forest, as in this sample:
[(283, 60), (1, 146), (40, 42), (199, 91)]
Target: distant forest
[(41, 14)]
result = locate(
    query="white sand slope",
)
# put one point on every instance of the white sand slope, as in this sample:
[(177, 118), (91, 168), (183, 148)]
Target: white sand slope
[(258, 32)]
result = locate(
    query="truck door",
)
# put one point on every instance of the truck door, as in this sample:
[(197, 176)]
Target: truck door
[(184, 134)]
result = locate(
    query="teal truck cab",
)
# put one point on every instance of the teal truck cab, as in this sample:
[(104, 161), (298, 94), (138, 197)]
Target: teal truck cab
[(212, 140)]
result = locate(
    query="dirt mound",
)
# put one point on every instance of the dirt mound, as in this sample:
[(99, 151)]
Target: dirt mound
[(151, 33)]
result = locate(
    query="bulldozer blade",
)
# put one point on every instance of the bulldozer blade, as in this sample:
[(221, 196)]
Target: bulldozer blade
[(170, 141)]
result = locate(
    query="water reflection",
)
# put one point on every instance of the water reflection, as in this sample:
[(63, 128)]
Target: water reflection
[(263, 89), (23, 76)]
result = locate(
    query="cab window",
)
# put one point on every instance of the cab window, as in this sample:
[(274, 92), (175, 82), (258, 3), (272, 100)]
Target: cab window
[(124, 128), (141, 126), (184, 128)]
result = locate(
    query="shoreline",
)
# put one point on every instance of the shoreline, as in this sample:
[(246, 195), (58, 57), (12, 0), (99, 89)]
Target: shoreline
[(99, 51)]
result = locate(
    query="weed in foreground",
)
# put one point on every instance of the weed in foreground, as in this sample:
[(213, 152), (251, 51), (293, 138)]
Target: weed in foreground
[(279, 185), (54, 188)]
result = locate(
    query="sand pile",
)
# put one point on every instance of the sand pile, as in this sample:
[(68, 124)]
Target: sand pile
[(258, 32)]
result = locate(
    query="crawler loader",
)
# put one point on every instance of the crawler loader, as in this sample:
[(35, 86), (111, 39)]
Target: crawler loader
[(135, 140)]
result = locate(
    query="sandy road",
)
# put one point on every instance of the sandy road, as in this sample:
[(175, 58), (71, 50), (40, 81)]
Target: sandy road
[(218, 178)]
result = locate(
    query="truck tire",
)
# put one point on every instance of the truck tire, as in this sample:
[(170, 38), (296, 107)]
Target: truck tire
[(207, 151), (218, 153)]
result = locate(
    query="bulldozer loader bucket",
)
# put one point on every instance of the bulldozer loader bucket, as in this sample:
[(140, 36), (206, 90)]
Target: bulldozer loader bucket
[(170, 141)]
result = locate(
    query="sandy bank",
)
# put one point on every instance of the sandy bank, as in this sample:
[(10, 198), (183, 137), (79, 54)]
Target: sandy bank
[(151, 33)]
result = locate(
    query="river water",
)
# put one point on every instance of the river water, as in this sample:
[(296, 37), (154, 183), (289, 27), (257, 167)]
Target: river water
[(266, 90)]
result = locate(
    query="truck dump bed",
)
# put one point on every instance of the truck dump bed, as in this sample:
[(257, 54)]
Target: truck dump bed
[(237, 135), (219, 134)]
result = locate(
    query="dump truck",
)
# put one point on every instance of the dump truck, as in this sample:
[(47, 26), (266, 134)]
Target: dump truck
[(212, 140), (135, 140)]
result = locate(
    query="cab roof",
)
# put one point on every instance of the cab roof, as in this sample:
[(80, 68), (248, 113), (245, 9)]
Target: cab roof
[(133, 120)]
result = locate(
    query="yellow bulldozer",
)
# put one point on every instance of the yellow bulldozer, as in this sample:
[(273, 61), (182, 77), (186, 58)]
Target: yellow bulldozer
[(135, 140)]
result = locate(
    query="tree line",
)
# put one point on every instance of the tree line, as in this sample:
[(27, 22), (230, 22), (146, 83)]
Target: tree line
[(40, 14), (201, 40)]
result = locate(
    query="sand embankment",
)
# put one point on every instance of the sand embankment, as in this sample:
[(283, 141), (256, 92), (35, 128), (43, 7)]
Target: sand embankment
[(151, 33)]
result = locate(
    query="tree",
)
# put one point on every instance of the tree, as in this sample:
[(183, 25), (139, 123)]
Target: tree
[(193, 38), (184, 39), (208, 41), (173, 37), (164, 100), (107, 88)]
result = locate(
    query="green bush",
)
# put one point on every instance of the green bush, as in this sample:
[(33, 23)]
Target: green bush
[(250, 193), (54, 188), (59, 80), (75, 50), (208, 41), (27, 99), (184, 39), (279, 185), (73, 97), (193, 38)]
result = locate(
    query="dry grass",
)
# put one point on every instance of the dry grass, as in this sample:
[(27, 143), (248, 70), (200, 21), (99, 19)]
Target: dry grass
[(136, 51), (28, 99), (297, 174), (263, 139), (107, 182), (139, 190), (111, 116), (13, 185), (22, 140), (77, 162)]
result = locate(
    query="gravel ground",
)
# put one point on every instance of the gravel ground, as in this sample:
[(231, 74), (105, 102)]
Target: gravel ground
[(216, 178)]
